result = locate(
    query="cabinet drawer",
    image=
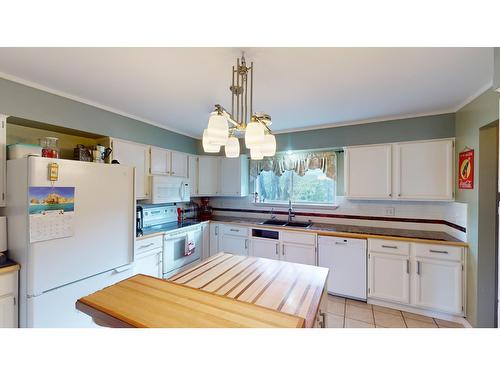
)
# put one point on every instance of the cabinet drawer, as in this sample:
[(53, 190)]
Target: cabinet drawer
[(8, 283), (390, 247), (437, 251), (233, 230), (146, 244), (299, 238)]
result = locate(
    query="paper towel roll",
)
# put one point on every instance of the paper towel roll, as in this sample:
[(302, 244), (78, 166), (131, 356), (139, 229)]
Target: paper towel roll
[(3, 233)]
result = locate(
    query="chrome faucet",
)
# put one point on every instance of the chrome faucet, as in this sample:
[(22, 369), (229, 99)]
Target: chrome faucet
[(290, 211), (273, 216)]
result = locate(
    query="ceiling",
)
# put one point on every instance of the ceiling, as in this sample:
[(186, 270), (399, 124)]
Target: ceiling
[(176, 88)]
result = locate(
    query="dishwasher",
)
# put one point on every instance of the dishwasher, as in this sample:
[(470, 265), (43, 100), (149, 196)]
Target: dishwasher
[(346, 260)]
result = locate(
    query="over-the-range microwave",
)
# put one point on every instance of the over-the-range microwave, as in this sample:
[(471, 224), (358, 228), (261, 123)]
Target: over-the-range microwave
[(169, 189)]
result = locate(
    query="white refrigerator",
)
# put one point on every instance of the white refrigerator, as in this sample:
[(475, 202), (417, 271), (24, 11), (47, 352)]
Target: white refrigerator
[(84, 245)]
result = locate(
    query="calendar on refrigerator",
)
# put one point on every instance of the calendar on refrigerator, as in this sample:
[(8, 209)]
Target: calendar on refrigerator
[(52, 212)]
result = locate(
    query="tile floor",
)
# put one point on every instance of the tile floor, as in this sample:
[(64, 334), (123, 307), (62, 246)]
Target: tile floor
[(347, 313)]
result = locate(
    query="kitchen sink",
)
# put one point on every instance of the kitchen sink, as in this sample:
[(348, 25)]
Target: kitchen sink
[(274, 222), (298, 224)]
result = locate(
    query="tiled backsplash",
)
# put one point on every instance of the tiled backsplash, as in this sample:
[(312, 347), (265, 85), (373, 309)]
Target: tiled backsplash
[(451, 212)]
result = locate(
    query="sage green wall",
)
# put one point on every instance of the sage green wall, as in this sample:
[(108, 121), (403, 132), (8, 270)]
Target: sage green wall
[(480, 112), (411, 129), (37, 105), (496, 69)]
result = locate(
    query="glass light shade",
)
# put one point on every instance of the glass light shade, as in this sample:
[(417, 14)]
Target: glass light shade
[(256, 153), (218, 129), (232, 147), (268, 146), (208, 146), (254, 134)]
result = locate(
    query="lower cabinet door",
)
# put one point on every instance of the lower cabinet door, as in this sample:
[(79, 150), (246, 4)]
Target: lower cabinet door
[(149, 263), (8, 312), (389, 277), (233, 244), (265, 248), (305, 254), (438, 285)]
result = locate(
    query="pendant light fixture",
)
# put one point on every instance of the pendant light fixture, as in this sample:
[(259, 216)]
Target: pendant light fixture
[(225, 128)]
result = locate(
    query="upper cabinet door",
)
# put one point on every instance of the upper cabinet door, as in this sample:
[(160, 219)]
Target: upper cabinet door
[(179, 164), (208, 175), (424, 170), (134, 155), (160, 161), (193, 174), (234, 176), (368, 172)]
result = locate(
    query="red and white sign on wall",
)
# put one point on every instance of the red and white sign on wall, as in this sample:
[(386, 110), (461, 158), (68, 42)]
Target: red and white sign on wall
[(466, 169)]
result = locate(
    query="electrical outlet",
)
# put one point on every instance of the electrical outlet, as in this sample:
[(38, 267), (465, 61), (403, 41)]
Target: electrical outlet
[(389, 211)]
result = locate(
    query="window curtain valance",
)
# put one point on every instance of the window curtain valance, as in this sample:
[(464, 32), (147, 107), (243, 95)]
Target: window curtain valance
[(299, 162)]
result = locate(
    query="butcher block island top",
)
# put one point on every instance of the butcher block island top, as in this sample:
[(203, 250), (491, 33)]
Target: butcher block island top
[(223, 291)]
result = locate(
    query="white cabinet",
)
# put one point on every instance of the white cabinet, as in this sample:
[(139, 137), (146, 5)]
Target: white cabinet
[(420, 275), (438, 285), (160, 161), (424, 170), (193, 174), (8, 299), (284, 245), (234, 174), (221, 176), (389, 277), (170, 163), (295, 253), (265, 248), (421, 170), (179, 167), (233, 239), (368, 172), (205, 227), (148, 256), (149, 263), (3, 141), (134, 155), (214, 238), (8, 313), (208, 175)]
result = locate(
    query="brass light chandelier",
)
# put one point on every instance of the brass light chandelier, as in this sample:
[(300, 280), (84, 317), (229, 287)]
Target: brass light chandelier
[(225, 128)]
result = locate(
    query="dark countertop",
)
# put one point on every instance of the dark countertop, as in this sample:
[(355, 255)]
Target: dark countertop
[(339, 229)]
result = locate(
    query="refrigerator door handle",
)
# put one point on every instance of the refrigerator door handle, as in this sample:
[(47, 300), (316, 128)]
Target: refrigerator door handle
[(123, 268)]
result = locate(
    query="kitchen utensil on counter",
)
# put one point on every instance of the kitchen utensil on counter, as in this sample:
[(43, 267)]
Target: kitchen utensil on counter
[(205, 211), (50, 148), (82, 153)]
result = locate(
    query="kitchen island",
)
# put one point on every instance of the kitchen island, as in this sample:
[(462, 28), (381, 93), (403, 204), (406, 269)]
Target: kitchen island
[(223, 291)]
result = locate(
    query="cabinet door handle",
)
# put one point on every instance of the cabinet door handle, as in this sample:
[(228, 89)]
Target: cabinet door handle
[(277, 249), (340, 243), (217, 230), (234, 230), (148, 245), (407, 266), (438, 251), (246, 244), (389, 247), (283, 250), (418, 267)]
